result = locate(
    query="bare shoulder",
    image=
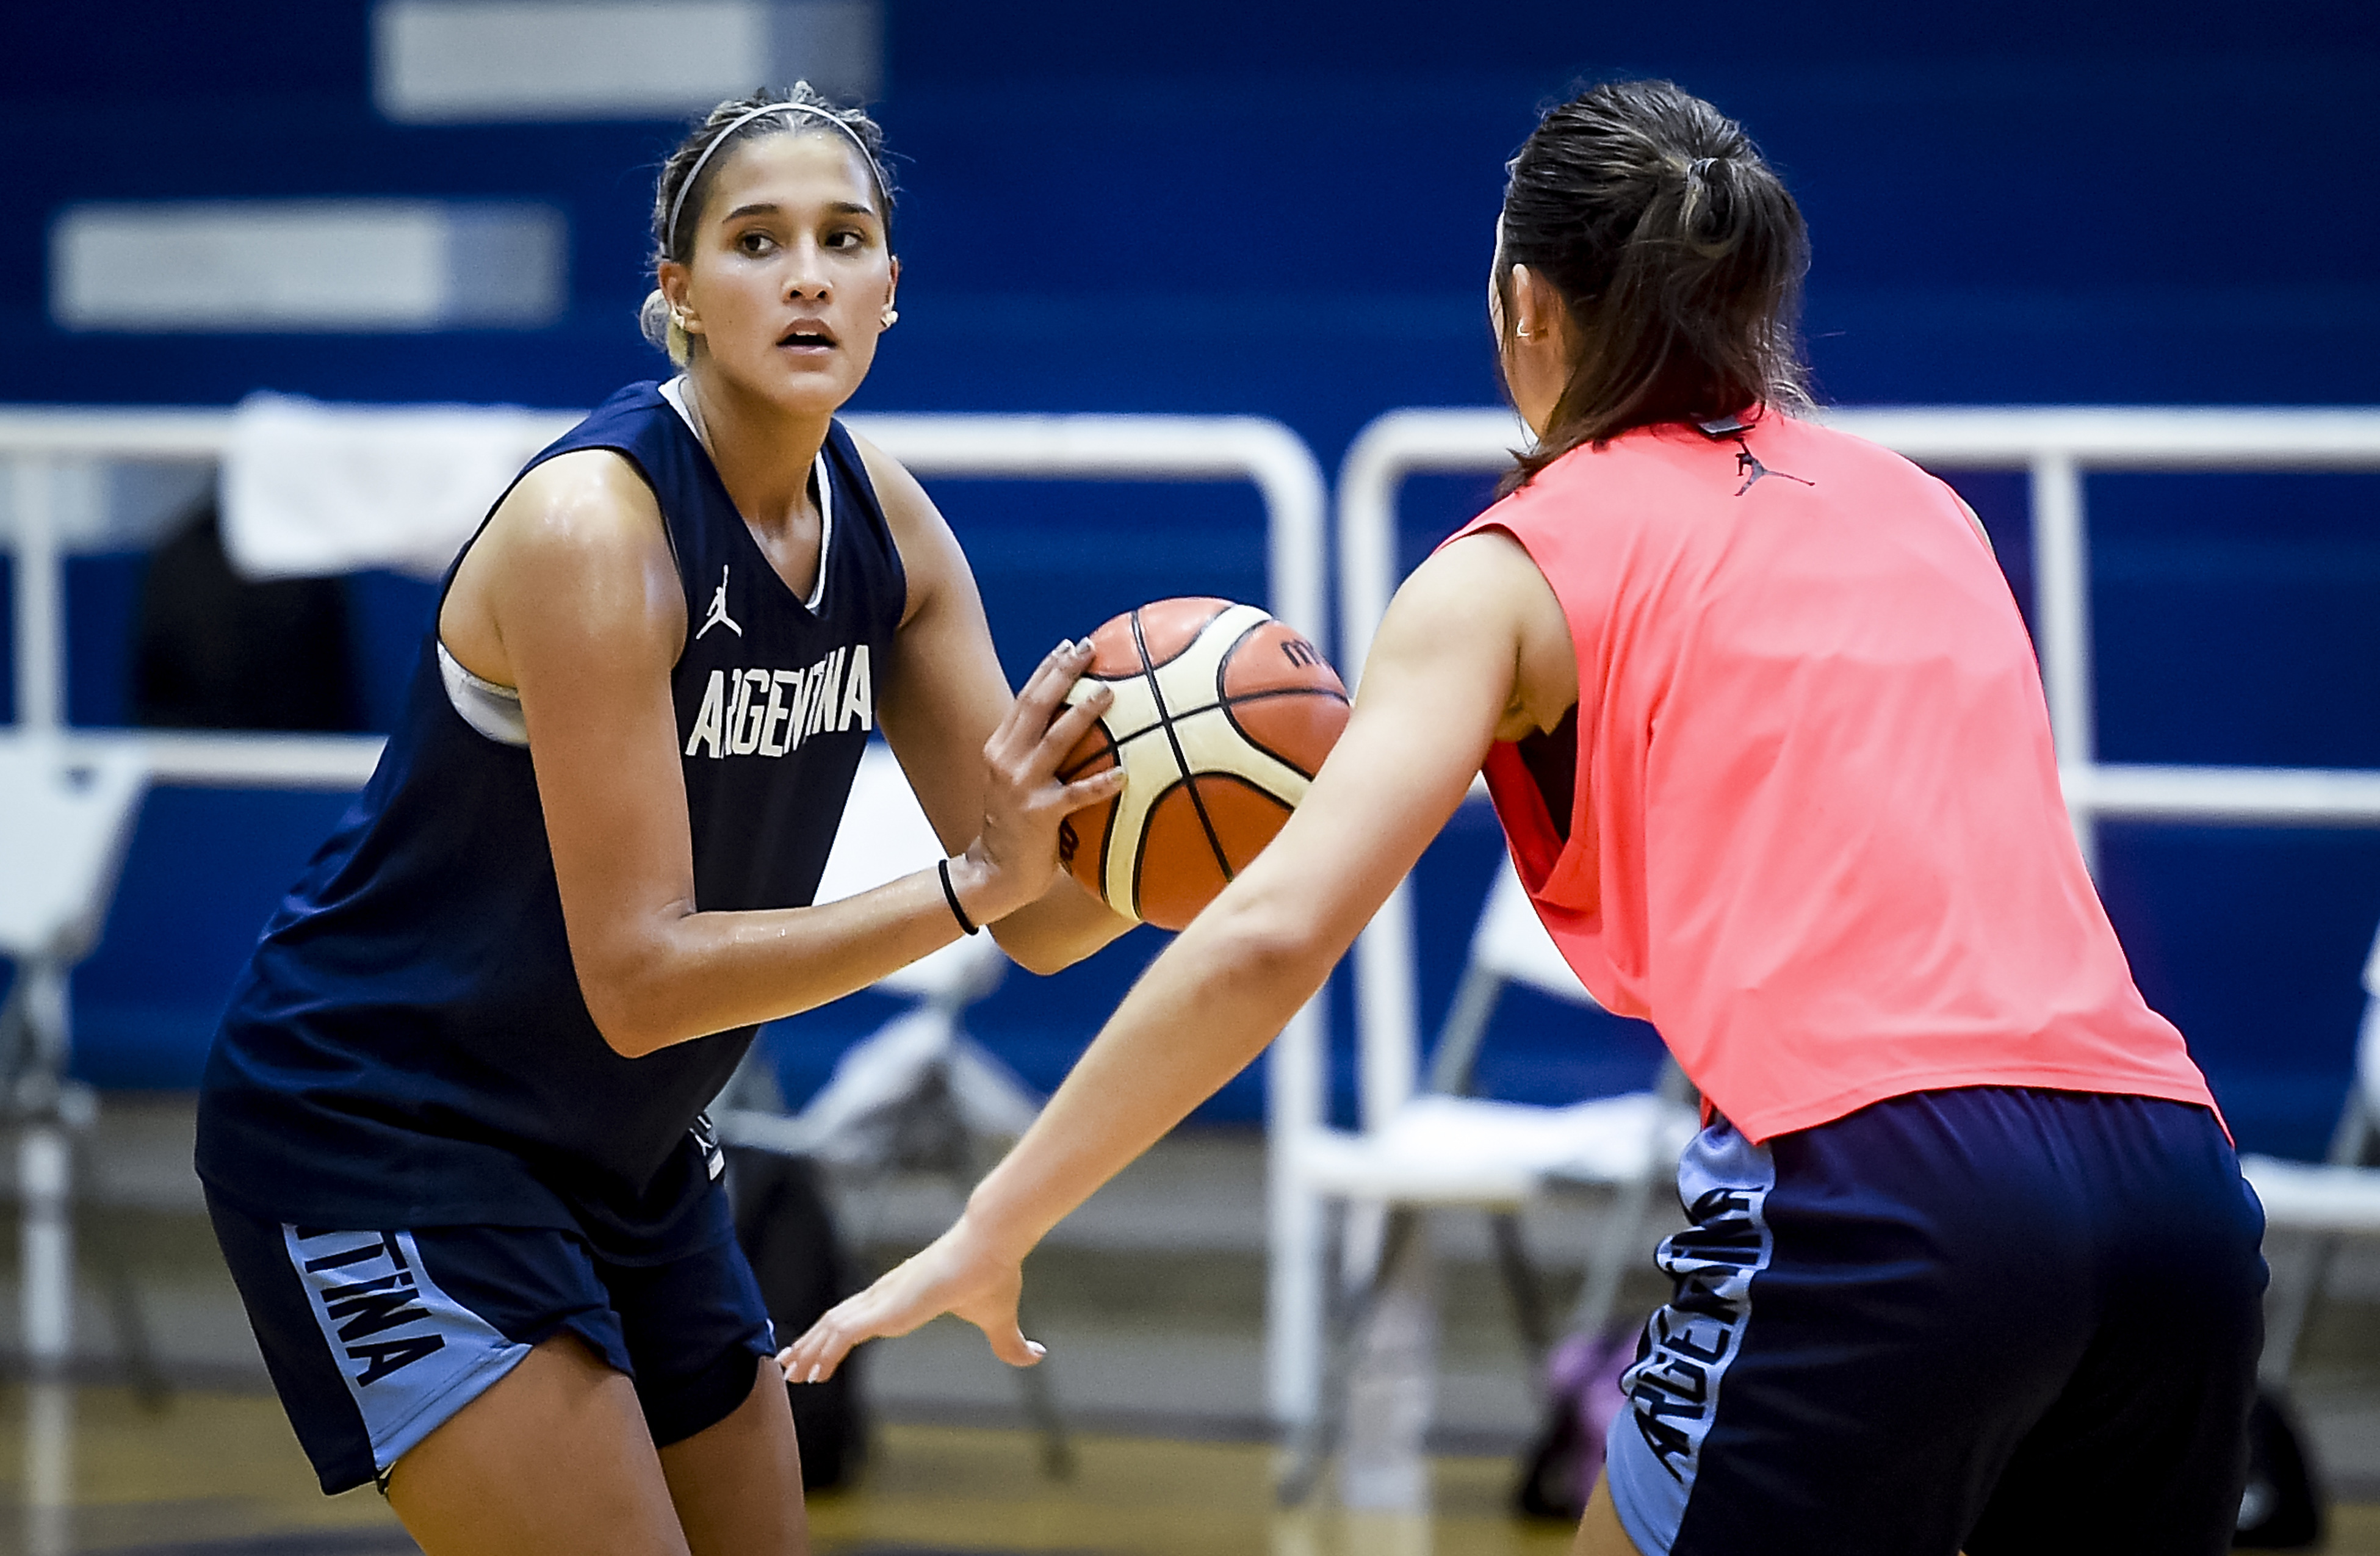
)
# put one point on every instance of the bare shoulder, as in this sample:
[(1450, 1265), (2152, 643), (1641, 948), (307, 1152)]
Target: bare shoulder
[(587, 499), (929, 550), (1484, 576), (1483, 593), (582, 520), (580, 537)]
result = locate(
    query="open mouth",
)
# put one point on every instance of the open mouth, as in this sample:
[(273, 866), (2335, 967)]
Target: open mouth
[(806, 340)]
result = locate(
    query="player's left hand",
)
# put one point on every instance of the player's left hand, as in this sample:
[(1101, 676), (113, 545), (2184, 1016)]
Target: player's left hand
[(1014, 856), (959, 1273)]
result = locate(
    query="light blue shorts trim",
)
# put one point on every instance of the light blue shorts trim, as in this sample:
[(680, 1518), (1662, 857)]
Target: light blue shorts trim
[(1656, 1446), (412, 1355)]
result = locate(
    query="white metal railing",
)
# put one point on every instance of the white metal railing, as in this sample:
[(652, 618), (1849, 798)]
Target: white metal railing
[(38, 441), (2055, 445), (2058, 446)]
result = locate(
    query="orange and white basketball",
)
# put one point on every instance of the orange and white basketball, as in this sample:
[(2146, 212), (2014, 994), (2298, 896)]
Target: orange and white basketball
[(1222, 717)]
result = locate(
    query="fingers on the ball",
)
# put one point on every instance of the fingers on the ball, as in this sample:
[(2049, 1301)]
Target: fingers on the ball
[(1026, 716), (1069, 727), (1057, 669), (1063, 669), (1098, 786), (1020, 727), (1042, 700)]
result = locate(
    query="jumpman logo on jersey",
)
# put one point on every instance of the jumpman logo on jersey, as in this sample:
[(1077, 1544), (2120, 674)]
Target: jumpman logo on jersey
[(719, 617), (1749, 466)]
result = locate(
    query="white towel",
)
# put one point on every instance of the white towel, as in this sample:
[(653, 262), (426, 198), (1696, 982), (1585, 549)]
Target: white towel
[(309, 488), (1602, 1141)]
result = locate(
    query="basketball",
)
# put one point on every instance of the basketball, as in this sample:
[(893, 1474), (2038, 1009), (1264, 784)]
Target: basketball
[(1222, 717)]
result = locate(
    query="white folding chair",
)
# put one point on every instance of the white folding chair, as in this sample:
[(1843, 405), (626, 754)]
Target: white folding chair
[(2328, 1202), (63, 824), (919, 1070), (1443, 1147), (917, 1094)]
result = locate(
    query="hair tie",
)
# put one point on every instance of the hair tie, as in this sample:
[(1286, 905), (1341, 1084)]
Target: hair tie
[(950, 895), (669, 233)]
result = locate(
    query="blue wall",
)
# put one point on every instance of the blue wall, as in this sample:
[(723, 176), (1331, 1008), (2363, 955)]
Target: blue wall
[(1285, 210)]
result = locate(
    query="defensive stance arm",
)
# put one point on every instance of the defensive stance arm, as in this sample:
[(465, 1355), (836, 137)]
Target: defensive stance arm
[(1474, 647)]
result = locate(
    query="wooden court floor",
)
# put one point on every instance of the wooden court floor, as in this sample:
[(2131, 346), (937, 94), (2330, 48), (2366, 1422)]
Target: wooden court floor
[(216, 1473), (219, 1474)]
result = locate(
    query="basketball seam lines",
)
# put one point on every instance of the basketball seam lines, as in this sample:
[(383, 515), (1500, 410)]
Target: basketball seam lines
[(1116, 743), (1236, 700), (1108, 826), (1113, 750), (1181, 763), (1226, 702)]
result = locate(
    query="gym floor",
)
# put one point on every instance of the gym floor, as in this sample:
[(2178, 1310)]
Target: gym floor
[(215, 1474), (1151, 1299)]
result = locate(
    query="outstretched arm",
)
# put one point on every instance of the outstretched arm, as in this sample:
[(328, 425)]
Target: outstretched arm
[(1474, 647)]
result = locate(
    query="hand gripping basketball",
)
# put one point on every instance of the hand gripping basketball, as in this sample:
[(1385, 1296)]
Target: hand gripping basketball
[(1014, 856)]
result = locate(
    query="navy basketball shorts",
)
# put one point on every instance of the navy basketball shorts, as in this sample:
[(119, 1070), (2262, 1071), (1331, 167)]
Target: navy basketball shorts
[(375, 1339), (1987, 1320)]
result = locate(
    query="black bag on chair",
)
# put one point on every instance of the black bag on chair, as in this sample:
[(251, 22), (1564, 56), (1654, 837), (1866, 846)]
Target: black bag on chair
[(788, 1233), (2281, 1508), (216, 650), (1583, 1405)]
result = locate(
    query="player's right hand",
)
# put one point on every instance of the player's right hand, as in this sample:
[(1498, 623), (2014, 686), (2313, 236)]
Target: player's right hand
[(959, 1273), (1015, 857)]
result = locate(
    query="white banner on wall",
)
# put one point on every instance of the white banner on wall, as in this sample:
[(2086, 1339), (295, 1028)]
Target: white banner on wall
[(452, 61), (283, 265)]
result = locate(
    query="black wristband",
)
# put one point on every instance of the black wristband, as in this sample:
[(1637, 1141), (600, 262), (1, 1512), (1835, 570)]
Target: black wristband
[(951, 895)]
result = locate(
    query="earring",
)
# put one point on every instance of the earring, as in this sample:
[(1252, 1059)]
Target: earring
[(677, 318), (1523, 334), (890, 316)]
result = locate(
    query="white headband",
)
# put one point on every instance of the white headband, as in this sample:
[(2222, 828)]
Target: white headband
[(669, 234)]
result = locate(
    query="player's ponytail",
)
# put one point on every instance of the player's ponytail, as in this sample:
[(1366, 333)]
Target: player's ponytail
[(1679, 253), (659, 327)]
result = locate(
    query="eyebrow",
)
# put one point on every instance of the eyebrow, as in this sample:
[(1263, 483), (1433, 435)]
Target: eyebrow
[(767, 208)]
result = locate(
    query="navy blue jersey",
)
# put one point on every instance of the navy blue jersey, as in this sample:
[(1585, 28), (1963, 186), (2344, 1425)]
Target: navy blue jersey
[(409, 1046)]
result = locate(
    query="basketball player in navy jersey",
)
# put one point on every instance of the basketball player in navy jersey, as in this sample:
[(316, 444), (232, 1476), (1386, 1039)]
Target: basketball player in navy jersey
[(451, 1127)]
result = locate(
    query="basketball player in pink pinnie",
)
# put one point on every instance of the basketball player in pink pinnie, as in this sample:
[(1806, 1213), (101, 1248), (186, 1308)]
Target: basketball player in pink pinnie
[(1970, 1263)]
